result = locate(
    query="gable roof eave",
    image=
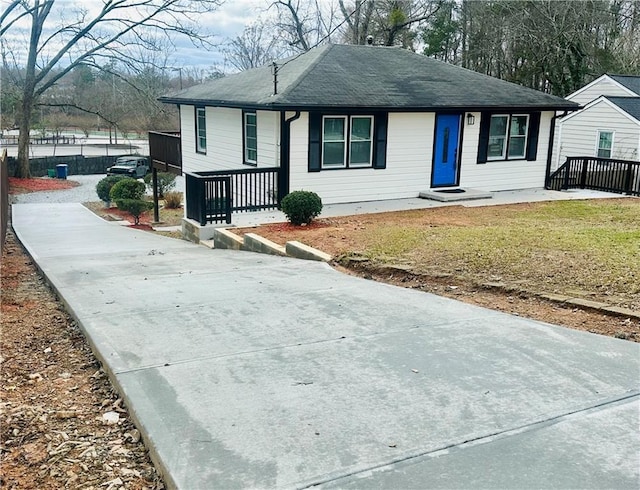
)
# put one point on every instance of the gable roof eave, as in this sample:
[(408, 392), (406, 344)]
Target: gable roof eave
[(280, 106), (599, 100), (598, 80)]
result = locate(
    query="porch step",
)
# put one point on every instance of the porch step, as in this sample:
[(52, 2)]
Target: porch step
[(452, 195)]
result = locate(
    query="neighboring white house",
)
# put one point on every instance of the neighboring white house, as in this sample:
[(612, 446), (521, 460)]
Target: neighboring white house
[(363, 123), (608, 125)]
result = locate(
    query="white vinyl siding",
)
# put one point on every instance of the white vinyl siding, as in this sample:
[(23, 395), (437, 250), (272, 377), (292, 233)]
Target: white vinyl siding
[(408, 163), (409, 157), (224, 139), (408, 170), (578, 136), (268, 138), (502, 175), (602, 87)]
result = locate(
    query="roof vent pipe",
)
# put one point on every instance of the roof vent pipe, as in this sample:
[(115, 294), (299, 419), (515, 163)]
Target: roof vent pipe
[(274, 70)]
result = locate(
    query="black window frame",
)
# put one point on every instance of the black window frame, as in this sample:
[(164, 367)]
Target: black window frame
[(531, 140), (378, 150)]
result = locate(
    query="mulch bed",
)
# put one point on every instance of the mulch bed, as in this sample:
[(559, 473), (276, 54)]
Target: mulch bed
[(22, 186)]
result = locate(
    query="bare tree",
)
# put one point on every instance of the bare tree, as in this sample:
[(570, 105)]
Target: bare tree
[(58, 39), (254, 47), (388, 22), (358, 18), (302, 25)]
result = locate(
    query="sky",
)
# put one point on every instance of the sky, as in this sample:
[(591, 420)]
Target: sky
[(225, 23), (228, 21)]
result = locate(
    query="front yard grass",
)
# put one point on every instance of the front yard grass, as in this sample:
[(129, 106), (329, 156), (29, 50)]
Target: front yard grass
[(588, 249)]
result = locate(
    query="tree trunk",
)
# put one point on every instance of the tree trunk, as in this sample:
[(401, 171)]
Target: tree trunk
[(23, 169)]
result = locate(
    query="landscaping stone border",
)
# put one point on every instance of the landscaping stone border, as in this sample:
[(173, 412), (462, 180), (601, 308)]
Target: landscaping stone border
[(226, 239)]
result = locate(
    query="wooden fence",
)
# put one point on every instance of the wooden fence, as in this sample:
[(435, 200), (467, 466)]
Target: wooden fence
[(78, 164), (4, 197)]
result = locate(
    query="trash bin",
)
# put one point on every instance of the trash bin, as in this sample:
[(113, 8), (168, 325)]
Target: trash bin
[(51, 172), (61, 170)]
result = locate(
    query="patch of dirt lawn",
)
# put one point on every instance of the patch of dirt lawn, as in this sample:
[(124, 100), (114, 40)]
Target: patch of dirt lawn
[(62, 425), (500, 257)]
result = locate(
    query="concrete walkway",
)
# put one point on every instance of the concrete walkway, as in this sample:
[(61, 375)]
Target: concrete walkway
[(252, 371), (497, 198)]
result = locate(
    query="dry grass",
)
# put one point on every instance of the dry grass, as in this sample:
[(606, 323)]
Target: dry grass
[(584, 245), (583, 248)]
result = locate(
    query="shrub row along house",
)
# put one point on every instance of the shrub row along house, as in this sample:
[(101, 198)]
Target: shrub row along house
[(362, 123)]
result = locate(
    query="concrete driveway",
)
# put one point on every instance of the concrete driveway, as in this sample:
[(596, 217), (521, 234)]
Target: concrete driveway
[(247, 371)]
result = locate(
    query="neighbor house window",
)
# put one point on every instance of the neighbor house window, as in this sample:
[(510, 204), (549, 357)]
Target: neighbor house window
[(201, 130), (250, 138), (508, 136), (605, 144), (347, 141)]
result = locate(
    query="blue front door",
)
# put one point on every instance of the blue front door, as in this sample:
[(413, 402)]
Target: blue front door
[(445, 156)]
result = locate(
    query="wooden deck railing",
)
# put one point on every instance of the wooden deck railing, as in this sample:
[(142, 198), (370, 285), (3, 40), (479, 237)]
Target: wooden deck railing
[(601, 174), (211, 197), (165, 152)]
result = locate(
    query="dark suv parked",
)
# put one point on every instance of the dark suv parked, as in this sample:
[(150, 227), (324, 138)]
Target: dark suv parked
[(133, 166)]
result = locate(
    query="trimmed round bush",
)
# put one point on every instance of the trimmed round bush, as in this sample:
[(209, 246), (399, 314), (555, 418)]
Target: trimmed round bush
[(103, 188), (127, 189), (166, 182), (301, 207), (135, 207)]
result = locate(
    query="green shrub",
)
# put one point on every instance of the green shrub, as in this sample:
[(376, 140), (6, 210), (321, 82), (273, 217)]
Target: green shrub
[(135, 207), (166, 182), (103, 188), (172, 200), (127, 189), (301, 207)]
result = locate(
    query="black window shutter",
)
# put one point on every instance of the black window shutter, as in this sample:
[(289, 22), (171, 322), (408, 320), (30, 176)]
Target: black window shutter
[(380, 143), (315, 141), (532, 139), (483, 143)]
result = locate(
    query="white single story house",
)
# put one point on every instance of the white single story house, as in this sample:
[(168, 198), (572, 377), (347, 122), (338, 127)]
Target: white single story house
[(607, 126), (363, 123)]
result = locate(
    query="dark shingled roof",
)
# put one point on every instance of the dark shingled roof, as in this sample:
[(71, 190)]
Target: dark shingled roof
[(632, 82), (339, 75), (630, 105)]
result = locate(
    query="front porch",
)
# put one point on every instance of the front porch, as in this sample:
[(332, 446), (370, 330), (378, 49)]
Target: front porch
[(212, 197), (250, 197)]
